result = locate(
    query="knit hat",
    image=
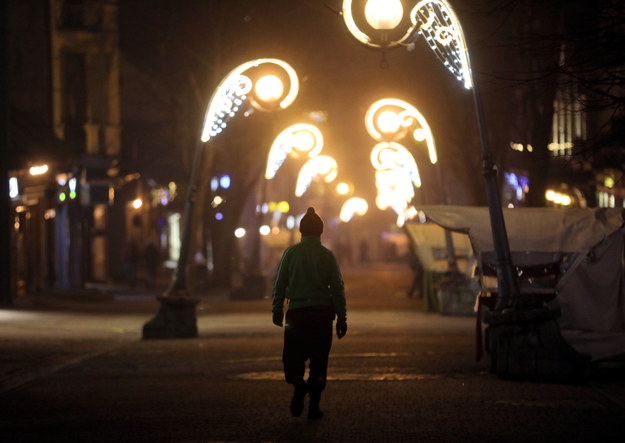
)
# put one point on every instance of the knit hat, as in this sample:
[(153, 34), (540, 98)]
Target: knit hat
[(311, 223)]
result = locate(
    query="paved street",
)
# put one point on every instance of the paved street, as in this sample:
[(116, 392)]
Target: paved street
[(75, 368)]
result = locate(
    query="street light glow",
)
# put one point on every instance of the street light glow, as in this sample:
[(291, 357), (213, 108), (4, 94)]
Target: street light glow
[(269, 88), (343, 188), (389, 122), (321, 166), (38, 170), (302, 137)]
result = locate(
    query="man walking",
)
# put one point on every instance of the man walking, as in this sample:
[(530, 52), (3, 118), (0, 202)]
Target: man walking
[(310, 280)]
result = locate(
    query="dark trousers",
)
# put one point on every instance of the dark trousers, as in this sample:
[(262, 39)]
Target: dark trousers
[(308, 336)]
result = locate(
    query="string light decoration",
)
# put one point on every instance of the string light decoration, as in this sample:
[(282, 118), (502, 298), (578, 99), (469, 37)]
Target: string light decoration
[(322, 166), (246, 83), (436, 21), (301, 138), (396, 176), (391, 119), (353, 206)]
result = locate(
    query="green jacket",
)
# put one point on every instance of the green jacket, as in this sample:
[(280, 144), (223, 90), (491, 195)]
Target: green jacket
[(309, 275)]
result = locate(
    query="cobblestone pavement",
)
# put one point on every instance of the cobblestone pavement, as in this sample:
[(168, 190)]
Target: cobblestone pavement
[(76, 370)]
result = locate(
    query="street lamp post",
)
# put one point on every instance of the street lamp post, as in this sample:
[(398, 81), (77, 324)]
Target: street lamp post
[(524, 338), (267, 84)]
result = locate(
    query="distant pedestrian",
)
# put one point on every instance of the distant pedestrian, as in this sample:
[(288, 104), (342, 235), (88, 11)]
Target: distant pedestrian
[(152, 260), (310, 280), (130, 259), (417, 273)]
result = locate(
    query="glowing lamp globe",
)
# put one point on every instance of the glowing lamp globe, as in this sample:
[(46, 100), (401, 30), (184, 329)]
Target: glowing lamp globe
[(384, 14), (269, 88), (389, 122)]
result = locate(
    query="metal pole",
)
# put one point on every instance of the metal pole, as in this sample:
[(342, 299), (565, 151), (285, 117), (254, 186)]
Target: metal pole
[(506, 281), (179, 285)]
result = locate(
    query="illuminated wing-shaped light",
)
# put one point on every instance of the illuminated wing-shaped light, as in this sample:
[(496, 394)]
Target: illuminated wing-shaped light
[(396, 177), (322, 165), (301, 137), (391, 156), (436, 21), (234, 90), (353, 206), (391, 118)]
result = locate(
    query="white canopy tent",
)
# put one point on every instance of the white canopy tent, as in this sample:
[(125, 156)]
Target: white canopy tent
[(589, 246)]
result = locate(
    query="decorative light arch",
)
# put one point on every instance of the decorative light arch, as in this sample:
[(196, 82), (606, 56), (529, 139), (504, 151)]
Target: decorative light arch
[(437, 22), (301, 137), (235, 89), (353, 206), (322, 165), (408, 118)]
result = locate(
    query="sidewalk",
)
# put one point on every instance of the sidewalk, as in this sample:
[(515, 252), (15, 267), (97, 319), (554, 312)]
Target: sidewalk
[(74, 368), (119, 298)]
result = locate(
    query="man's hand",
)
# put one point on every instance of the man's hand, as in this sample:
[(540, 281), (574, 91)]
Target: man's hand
[(277, 318), (341, 328)]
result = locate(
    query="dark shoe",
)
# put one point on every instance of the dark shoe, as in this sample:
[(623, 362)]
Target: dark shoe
[(313, 407), (297, 402), (315, 413)]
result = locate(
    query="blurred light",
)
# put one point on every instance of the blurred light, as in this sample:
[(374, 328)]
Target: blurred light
[(608, 182), (217, 201), (224, 181), (72, 195), (302, 137), (351, 207), (322, 165), (62, 196), (14, 190), (318, 116), (239, 232), (219, 216), (214, 184), (61, 179), (558, 198), (275, 230), (283, 207), (72, 184), (343, 188), (269, 88), (264, 230), (290, 222), (20, 208), (137, 203), (264, 208), (383, 14), (38, 170), (49, 214)]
